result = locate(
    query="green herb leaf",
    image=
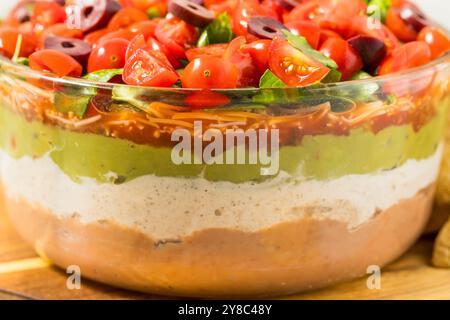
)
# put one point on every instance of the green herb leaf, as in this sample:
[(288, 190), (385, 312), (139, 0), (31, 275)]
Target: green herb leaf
[(378, 8), (333, 76), (302, 44), (218, 31), (67, 103), (23, 61), (129, 95), (269, 80), (153, 13), (103, 75)]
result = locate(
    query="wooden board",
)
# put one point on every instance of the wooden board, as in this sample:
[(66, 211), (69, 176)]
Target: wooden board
[(25, 276)]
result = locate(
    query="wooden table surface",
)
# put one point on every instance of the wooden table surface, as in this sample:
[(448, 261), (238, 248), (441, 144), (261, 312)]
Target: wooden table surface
[(25, 276)]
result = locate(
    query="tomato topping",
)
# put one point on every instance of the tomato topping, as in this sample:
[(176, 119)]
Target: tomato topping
[(146, 28), (410, 55), (248, 72), (395, 23), (126, 17), (8, 42), (310, 30), (209, 72), (46, 14), (136, 43), (216, 50), (259, 51), (436, 39), (109, 54), (292, 66), (56, 62), (149, 69), (344, 55), (206, 99), (176, 35), (364, 25)]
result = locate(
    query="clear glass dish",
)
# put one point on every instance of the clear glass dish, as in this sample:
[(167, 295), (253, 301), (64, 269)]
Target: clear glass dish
[(326, 181)]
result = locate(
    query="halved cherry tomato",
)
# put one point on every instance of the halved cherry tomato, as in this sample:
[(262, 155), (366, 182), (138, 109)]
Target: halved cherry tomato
[(329, 14), (247, 9), (216, 50), (155, 45), (344, 55), (209, 72), (108, 54), (146, 28), (436, 39), (125, 34), (248, 72), (259, 51), (206, 99), (56, 62), (46, 14), (8, 42), (176, 35), (410, 55), (395, 23), (294, 67), (125, 18), (60, 30), (93, 37), (310, 30), (144, 5), (221, 6), (136, 43), (327, 34), (149, 69)]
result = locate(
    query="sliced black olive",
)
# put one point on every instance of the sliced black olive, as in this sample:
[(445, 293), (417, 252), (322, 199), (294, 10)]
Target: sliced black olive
[(77, 49), (265, 27), (371, 50), (91, 15), (413, 17), (191, 12), (288, 4)]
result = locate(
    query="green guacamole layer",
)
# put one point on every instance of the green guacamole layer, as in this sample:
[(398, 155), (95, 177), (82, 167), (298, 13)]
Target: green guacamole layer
[(112, 160)]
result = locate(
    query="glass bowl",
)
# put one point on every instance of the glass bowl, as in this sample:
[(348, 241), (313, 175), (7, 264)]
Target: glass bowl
[(226, 193)]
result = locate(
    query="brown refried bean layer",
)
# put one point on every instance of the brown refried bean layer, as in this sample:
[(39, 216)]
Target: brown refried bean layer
[(286, 258)]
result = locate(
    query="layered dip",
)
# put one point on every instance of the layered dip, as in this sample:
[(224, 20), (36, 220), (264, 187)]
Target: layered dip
[(221, 148)]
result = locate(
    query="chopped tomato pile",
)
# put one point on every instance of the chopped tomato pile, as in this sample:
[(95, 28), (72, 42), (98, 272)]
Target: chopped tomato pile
[(222, 44)]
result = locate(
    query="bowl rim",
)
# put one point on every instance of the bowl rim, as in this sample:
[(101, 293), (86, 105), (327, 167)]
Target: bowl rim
[(26, 71)]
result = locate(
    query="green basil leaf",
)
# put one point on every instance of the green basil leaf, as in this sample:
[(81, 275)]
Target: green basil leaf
[(153, 13), (269, 80), (302, 44), (103, 75), (218, 31), (333, 76), (378, 8), (23, 61)]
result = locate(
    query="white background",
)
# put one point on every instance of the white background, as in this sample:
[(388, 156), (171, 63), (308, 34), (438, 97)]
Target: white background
[(437, 10)]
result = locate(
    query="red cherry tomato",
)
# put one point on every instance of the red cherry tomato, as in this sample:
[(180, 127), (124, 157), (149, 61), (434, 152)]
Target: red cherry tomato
[(247, 9), (146, 28), (346, 57), (60, 30), (176, 35), (125, 18), (410, 55), (221, 6), (327, 34), (46, 14), (248, 72), (144, 5), (292, 66), (335, 15), (209, 72), (94, 37), (8, 42), (136, 43), (56, 62), (155, 45), (216, 50), (118, 34), (259, 51), (206, 99), (109, 54), (436, 39), (149, 69), (310, 30), (395, 23)]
